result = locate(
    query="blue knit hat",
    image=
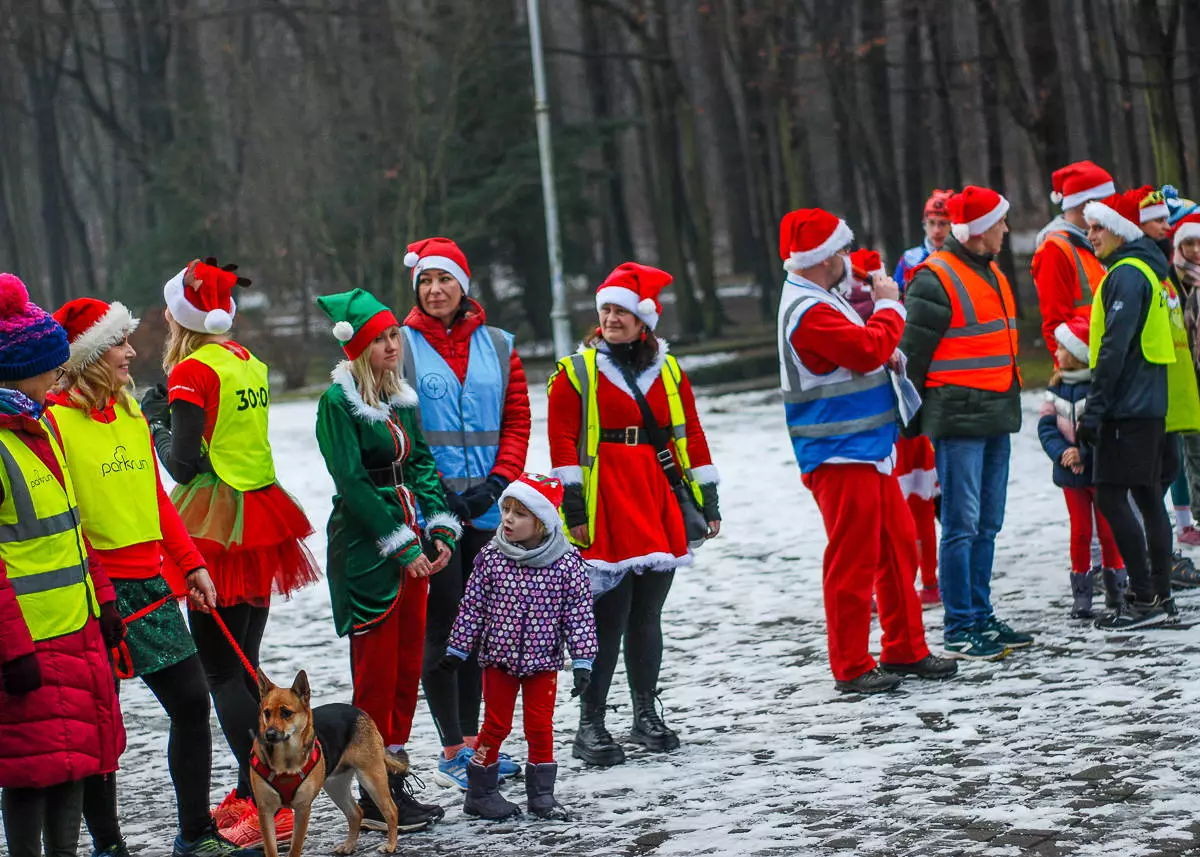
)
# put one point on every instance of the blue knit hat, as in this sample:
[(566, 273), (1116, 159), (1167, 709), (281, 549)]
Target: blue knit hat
[(31, 341)]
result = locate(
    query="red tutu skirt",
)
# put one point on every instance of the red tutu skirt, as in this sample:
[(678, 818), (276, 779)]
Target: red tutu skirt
[(252, 542)]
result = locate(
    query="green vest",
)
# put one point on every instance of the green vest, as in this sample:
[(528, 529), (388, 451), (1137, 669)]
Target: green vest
[(1183, 397), (1157, 344), (239, 450)]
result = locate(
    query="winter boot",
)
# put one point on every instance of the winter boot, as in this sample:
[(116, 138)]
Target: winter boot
[(1116, 581), (648, 727), (409, 810), (483, 798), (539, 792), (872, 681), (1081, 592), (1184, 574), (1138, 614), (593, 743)]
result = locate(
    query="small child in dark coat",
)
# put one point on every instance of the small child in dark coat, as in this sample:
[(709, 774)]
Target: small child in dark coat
[(527, 599), (1066, 401)]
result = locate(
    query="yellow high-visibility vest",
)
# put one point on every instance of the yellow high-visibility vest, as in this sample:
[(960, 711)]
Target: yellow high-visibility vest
[(41, 541), (239, 450), (1157, 346), (116, 485), (581, 372)]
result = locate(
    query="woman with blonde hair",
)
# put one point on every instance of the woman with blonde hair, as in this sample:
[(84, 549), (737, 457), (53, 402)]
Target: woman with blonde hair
[(130, 522), (369, 432), (210, 430)]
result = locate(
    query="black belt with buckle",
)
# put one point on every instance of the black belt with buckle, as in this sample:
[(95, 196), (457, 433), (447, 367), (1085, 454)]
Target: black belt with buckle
[(388, 477), (630, 436)]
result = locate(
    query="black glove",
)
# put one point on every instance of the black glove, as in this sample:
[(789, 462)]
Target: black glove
[(458, 506), (449, 663), (155, 406), (712, 509), (574, 508), (21, 675), (1087, 433), (112, 626), (583, 677), (480, 498)]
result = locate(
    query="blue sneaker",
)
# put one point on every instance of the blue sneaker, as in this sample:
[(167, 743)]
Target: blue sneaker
[(452, 773), (118, 850), (508, 768), (971, 645), (1000, 633)]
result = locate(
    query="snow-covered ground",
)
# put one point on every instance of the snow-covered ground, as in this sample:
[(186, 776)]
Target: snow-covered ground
[(1082, 745)]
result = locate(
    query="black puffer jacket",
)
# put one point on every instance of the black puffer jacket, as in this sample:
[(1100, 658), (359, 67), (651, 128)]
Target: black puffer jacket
[(951, 411), (1124, 384)]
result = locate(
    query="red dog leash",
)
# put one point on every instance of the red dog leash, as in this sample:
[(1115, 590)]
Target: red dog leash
[(123, 662)]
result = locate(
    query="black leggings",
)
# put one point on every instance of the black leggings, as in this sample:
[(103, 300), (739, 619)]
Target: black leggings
[(632, 611), (234, 692), (1146, 581), (49, 815), (183, 693), (453, 697)]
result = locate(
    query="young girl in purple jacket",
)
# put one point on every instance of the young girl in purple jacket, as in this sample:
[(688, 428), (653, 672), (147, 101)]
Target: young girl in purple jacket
[(528, 596)]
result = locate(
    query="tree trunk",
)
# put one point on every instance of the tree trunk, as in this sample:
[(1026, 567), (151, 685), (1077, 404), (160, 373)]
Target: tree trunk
[(1157, 51), (990, 98), (941, 88), (879, 132), (1126, 90), (916, 130)]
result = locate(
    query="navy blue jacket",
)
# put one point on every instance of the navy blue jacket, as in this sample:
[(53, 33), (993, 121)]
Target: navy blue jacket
[(1065, 403)]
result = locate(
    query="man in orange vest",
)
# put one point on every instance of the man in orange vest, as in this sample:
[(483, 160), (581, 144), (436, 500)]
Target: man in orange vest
[(961, 342), (1065, 269)]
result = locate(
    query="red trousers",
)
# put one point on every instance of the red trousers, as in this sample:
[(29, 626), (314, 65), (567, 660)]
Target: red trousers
[(1081, 505), (924, 520), (386, 664), (499, 699), (872, 547)]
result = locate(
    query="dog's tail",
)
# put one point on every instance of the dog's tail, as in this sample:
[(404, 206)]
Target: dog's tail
[(397, 763)]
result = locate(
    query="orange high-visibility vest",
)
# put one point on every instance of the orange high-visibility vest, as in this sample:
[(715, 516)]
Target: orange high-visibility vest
[(979, 349), (1089, 270)]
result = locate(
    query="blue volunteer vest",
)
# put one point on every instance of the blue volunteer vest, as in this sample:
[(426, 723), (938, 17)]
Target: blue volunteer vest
[(842, 414), (461, 422)]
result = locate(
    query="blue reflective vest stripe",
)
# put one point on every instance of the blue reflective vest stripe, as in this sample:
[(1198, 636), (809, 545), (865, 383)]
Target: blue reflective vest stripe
[(461, 422), (842, 414)]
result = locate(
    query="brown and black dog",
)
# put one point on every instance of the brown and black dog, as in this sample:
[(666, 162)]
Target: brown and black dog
[(299, 749)]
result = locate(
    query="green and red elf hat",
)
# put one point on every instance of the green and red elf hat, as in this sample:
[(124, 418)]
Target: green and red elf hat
[(358, 318)]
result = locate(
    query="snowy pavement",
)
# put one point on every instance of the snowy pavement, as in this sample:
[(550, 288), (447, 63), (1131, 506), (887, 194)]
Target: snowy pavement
[(1083, 745)]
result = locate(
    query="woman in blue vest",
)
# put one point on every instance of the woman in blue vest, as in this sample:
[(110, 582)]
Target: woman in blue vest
[(475, 416)]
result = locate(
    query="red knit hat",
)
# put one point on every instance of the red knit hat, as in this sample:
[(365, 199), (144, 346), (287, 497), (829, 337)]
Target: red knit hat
[(1151, 205), (200, 297), (1119, 214), (864, 263), (935, 206), (636, 288), (541, 495), (1072, 335), (1188, 227), (439, 254), (1077, 183), (92, 328), (974, 211), (809, 236)]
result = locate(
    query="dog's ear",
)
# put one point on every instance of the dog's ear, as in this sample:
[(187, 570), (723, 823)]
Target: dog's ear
[(300, 686), (265, 685)]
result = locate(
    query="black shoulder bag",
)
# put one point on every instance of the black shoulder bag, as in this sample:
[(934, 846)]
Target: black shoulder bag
[(694, 524)]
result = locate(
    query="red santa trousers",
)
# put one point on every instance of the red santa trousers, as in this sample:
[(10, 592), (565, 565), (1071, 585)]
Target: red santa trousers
[(499, 699), (386, 663), (872, 547), (1081, 506)]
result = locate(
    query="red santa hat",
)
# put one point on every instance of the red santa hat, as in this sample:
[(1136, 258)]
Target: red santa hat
[(636, 288), (439, 254), (974, 211), (1151, 204), (92, 328), (200, 297), (865, 263), (1188, 227), (935, 206), (541, 495), (809, 236), (1119, 213), (1072, 335), (1077, 183)]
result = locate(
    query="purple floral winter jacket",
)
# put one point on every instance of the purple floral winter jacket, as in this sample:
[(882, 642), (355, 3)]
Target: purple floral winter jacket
[(520, 617)]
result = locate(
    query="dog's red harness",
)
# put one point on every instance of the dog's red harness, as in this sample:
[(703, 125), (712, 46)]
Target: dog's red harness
[(286, 784)]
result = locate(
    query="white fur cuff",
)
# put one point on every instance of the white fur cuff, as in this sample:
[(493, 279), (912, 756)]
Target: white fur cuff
[(397, 541), (572, 475), (706, 474), (895, 306), (446, 521)]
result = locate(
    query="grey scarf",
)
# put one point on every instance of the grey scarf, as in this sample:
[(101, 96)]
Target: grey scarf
[(550, 551)]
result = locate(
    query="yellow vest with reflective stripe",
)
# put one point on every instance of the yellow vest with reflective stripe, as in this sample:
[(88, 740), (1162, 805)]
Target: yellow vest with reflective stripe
[(114, 465), (1183, 397), (1157, 346), (239, 450), (41, 541), (581, 372)]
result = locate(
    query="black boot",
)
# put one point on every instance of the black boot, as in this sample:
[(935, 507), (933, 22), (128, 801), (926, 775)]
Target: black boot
[(483, 798), (1081, 594), (411, 816), (872, 681), (539, 792), (593, 743), (1116, 581), (648, 727)]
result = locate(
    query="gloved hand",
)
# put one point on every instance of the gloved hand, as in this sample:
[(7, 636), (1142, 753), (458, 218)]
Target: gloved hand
[(458, 506), (1087, 432), (112, 626), (574, 507), (480, 498), (583, 677), (21, 675), (450, 663), (155, 406), (712, 508)]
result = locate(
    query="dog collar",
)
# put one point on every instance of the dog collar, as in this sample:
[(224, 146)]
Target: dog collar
[(286, 784)]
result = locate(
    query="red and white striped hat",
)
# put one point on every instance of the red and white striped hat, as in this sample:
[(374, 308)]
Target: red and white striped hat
[(975, 210)]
